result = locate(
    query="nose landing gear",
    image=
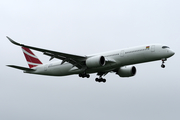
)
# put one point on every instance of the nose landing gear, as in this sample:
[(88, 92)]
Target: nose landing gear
[(164, 59), (163, 66)]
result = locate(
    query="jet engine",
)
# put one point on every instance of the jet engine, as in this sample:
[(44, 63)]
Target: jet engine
[(126, 71), (96, 61)]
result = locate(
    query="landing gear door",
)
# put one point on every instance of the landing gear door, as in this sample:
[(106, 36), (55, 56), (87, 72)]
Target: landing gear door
[(153, 48)]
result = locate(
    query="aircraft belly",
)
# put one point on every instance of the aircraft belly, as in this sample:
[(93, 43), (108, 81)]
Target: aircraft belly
[(57, 70), (62, 70)]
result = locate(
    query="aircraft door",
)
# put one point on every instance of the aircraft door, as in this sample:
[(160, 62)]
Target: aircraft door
[(122, 53), (153, 48)]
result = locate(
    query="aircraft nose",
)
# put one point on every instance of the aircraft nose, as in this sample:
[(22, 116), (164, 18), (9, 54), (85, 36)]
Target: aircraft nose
[(171, 52)]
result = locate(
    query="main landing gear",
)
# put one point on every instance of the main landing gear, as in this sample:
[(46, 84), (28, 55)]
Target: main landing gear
[(164, 59), (84, 75), (100, 79)]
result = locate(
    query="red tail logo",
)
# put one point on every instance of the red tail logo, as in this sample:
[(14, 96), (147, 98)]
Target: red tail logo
[(31, 58)]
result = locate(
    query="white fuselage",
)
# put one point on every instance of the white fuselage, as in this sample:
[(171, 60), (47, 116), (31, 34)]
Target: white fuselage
[(114, 60)]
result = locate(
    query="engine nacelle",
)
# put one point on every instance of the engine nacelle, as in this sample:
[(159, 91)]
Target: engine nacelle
[(96, 61), (126, 71)]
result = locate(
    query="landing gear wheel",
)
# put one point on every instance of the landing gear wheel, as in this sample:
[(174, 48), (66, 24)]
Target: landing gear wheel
[(104, 80), (80, 75), (100, 80), (88, 76), (163, 66), (84, 75)]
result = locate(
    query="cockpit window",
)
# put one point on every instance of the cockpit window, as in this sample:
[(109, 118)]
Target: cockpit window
[(165, 47)]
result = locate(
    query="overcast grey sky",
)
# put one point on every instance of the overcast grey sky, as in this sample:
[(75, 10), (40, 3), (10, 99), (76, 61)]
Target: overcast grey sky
[(86, 27)]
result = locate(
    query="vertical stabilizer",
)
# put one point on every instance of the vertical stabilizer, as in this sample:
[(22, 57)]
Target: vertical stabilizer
[(31, 58)]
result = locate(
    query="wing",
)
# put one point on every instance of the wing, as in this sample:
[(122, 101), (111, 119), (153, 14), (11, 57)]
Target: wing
[(76, 60)]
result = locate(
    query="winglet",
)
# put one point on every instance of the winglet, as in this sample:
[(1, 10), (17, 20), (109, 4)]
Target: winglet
[(14, 42)]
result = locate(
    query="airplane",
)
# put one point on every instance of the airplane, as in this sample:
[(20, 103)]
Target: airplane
[(116, 61)]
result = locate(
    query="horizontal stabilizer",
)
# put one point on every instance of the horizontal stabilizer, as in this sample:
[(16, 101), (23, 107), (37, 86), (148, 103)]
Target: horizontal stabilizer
[(21, 68)]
